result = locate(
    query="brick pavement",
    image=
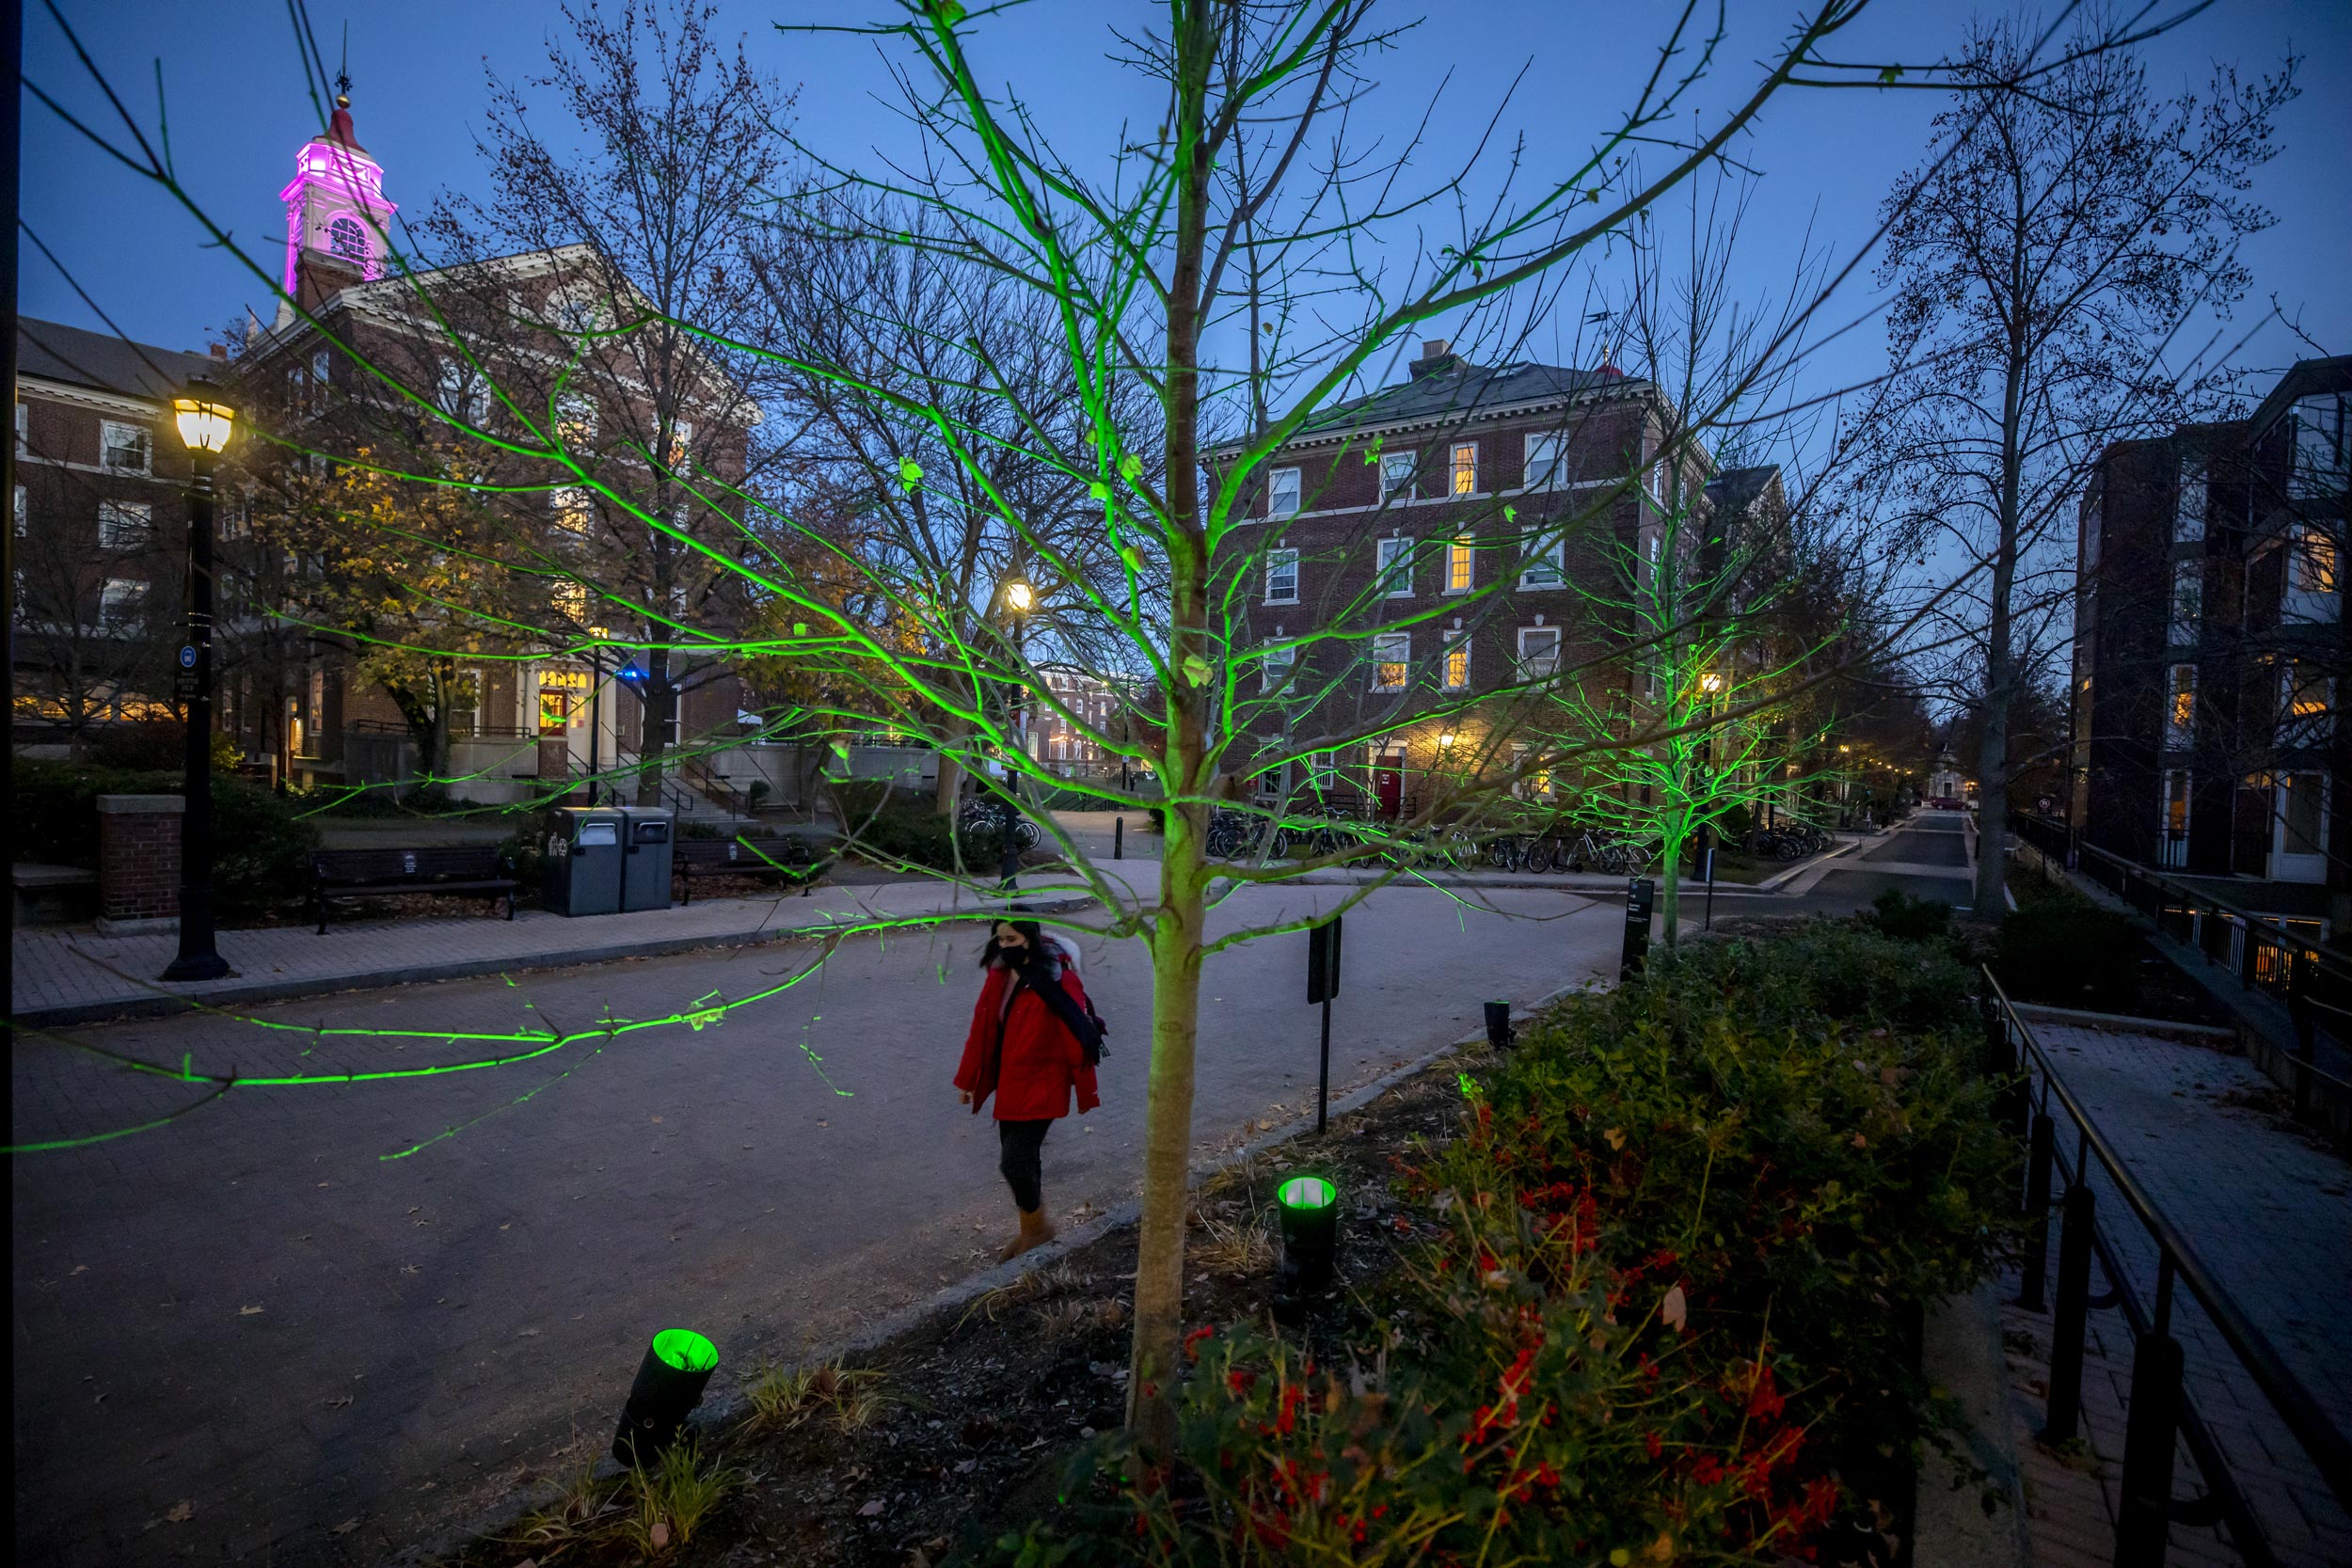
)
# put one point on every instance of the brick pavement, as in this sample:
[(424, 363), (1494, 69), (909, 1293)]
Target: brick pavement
[(2268, 1210)]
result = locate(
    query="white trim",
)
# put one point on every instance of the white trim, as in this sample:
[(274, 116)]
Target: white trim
[(1271, 557), (1391, 566), (1389, 639)]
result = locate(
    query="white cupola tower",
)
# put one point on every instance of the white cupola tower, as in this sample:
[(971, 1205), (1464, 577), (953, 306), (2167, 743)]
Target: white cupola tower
[(338, 223)]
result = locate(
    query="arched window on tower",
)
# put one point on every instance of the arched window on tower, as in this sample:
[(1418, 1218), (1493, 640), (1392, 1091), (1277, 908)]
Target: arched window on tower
[(348, 240)]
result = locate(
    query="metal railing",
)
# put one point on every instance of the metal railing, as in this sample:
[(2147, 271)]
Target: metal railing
[(2311, 983), (2158, 1410)]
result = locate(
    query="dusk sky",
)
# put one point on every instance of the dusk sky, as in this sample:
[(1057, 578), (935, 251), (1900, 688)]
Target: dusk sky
[(238, 112)]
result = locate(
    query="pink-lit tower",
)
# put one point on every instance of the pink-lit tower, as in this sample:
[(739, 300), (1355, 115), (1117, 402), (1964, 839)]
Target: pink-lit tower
[(337, 219)]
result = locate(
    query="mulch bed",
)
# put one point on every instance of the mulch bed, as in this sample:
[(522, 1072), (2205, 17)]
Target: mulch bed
[(980, 1407)]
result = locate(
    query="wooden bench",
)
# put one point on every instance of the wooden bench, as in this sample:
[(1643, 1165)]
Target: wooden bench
[(345, 875), (691, 858)]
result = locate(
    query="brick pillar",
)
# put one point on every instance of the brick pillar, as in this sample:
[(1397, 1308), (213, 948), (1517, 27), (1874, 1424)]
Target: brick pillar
[(555, 758), (138, 862)]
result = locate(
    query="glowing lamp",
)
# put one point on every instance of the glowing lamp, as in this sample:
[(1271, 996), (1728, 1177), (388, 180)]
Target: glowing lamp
[(1845, 747), (1018, 596), (1711, 682), (1445, 741), (1309, 1207), (204, 417), (670, 1382)]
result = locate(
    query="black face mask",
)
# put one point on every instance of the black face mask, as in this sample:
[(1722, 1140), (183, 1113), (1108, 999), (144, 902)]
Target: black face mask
[(1024, 957)]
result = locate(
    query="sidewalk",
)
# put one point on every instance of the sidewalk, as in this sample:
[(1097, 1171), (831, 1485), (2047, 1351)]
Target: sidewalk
[(75, 975)]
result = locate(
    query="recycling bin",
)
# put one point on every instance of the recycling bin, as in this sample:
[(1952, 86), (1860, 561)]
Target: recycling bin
[(585, 852), (646, 834)]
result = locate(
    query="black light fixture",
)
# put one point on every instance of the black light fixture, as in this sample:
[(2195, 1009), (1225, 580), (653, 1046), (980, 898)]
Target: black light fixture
[(670, 1382), (205, 422), (1499, 1026), (1309, 1207)]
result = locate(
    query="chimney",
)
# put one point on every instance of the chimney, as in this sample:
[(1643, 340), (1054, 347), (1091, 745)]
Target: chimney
[(1436, 355), (220, 350)]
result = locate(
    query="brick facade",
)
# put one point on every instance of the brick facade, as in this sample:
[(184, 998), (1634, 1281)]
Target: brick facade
[(138, 860)]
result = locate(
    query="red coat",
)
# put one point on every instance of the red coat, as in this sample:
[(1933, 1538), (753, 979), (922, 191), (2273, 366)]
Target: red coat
[(1036, 1061)]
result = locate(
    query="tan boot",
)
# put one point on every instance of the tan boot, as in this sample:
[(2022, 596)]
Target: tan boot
[(1036, 1230)]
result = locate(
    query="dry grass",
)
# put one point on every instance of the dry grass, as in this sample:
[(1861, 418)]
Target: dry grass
[(1057, 1279), (782, 1397), (1236, 1246), (1082, 1315), (586, 1510), (674, 1497)]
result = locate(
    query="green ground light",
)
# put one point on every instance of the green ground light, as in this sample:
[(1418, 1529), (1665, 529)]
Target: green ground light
[(686, 1349), (1306, 1191)]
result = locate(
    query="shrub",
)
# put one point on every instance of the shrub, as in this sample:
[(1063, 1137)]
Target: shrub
[(1908, 919), (1665, 1303), (262, 846), (2069, 953), (891, 825)]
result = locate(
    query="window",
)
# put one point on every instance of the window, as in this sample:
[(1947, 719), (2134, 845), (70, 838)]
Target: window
[(316, 728), (1655, 483), (119, 603), (347, 239), (2302, 840), (463, 699), (1397, 471), (2320, 458), (1392, 660), (1282, 493), (2311, 566), (2189, 515), (1275, 667), (1534, 784), (2180, 706), (2307, 702), (1543, 460), (571, 600), (322, 368), (2172, 846), (125, 525), (1395, 579), (19, 511), (1282, 576), (1459, 567), (1541, 567), (575, 311), (575, 420), (23, 426), (2188, 581), (1457, 652), (1539, 652), (461, 395), (681, 441), (575, 511), (1464, 468), (123, 448)]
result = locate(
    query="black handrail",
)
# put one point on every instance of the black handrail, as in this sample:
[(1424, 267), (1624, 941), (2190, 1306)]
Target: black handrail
[(2329, 1451)]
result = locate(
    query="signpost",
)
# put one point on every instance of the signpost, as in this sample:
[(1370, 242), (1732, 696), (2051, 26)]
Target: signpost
[(1707, 848), (1639, 893), (1323, 984)]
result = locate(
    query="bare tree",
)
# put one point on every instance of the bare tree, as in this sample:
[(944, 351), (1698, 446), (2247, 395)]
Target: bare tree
[(2046, 270)]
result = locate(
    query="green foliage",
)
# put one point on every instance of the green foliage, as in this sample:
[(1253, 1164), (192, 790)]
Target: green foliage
[(1736, 823), (1660, 1310), (262, 846), (890, 825), (1908, 919), (2070, 953)]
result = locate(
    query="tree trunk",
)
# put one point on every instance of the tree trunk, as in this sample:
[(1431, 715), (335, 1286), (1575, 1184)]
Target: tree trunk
[(1669, 886), (661, 697)]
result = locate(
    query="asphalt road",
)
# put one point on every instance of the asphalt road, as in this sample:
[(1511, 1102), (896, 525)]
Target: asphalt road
[(1926, 857), (249, 1334)]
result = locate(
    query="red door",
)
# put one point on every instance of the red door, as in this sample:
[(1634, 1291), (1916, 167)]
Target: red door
[(1387, 783)]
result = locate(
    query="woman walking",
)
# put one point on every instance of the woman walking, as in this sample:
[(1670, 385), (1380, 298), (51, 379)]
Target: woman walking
[(1029, 1046)]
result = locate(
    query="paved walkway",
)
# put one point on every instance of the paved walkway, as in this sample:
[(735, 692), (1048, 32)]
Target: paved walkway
[(73, 974), (322, 1351), (2269, 1211)]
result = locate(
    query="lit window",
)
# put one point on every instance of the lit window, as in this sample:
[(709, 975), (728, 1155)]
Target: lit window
[(2188, 516), (681, 443), (1465, 467), (1282, 493), (575, 511), (2307, 700), (125, 525), (1458, 663), (2173, 850), (1282, 576), (571, 600), (348, 240), (1396, 476), (1396, 569), (1275, 667), (2181, 715), (1543, 460), (1459, 567), (1535, 782), (575, 420), (2311, 566), (1541, 568), (1392, 660), (2188, 596), (1539, 652), (124, 449)]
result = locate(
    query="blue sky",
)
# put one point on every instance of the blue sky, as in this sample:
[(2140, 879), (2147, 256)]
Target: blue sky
[(238, 111)]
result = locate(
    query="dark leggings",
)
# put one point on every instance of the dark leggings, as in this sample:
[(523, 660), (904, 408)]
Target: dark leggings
[(1019, 1146)]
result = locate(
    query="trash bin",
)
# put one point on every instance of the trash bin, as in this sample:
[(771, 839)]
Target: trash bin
[(645, 862), (585, 857)]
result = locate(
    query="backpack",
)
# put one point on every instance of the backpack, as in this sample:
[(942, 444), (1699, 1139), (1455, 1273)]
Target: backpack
[(1085, 1025)]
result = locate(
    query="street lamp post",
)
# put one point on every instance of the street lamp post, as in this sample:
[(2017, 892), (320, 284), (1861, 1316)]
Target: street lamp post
[(597, 636), (1019, 599), (205, 420)]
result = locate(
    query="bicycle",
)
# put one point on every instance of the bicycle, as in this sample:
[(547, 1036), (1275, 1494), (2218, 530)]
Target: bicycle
[(982, 817)]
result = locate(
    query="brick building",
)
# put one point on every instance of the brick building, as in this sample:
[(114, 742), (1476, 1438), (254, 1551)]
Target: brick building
[(552, 666), (1520, 494), (2210, 647), (101, 531)]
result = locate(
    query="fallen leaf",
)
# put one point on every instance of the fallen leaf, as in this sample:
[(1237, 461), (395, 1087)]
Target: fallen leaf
[(1676, 1309), (78, 1268), (1861, 1142), (345, 1528), (873, 1509), (338, 1402), (661, 1534), (657, 1119), (247, 1311), (180, 1513), (1617, 1138)]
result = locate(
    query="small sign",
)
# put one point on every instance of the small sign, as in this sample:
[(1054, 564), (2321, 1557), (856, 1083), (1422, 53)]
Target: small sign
[(187, 656), (1323, 961), (183, 685)]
